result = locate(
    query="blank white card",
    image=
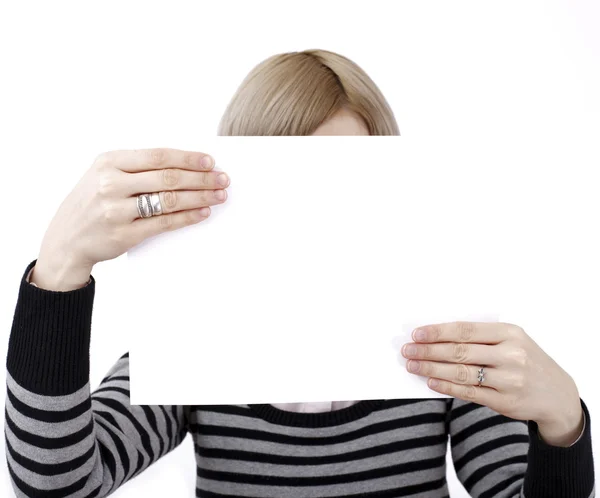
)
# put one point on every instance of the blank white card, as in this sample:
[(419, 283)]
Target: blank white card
[(329, 250)]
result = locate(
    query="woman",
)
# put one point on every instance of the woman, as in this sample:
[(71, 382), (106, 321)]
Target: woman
[(62, 441)]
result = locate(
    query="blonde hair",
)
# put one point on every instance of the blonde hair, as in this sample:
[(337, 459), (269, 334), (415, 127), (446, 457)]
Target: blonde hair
[(294, 93)]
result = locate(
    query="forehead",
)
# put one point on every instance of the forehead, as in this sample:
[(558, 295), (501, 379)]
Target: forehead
[(343, 123)]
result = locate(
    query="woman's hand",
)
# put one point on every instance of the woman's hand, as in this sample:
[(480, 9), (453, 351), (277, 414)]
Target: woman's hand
[(99, 219), (521, 380)]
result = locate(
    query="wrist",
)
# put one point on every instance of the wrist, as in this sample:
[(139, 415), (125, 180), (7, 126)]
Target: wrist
[(60, 274), (563, 430)]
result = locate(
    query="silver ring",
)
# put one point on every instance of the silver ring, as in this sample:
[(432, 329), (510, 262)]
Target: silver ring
[(155, 203), (480, 376), (143, 206)]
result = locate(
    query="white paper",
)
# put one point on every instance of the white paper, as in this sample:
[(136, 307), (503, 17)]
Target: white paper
[(328, 250)]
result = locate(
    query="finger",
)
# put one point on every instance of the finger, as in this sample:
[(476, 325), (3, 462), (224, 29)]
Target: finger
[(453, 352), (174, 179), (132, 161), (475, 332), (143, 228), (475, 394), (457, 373), (180, 200)]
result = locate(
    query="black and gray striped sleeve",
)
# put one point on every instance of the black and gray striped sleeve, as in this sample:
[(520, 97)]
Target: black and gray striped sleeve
[(498, 457), (61, 439)]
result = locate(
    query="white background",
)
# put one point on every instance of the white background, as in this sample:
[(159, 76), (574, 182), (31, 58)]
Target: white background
[(81, 78)]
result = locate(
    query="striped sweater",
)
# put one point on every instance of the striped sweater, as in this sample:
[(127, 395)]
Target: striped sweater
[(65, 440)]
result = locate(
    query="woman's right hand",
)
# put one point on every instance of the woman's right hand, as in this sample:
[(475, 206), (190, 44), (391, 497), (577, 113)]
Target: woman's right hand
[(99, 219)]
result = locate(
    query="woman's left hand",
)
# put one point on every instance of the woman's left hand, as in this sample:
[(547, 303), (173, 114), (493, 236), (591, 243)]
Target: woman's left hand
[(521, 380)]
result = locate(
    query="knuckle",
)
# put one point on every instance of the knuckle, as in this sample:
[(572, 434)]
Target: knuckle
[(157, 157), (189, 218), (460, 351), (204, 197), (203, 179), (428, 369), (426, 350), (106, 185), (435, 333), (519, 356), (465, 331), (201, 198), (165, 221), (188, 159), (469, 392), (170, 199), (109, 213), (515, 331), (104, 160), (170, 177), (462, 374)]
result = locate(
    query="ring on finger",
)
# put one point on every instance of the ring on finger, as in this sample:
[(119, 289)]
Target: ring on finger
[(458, 373), (149, 205), (480, 376), (156, 205)]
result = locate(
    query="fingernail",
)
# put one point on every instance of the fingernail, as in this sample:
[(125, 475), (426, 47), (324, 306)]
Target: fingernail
[(434, 382), (413, 366), (220, 195), (206, 162), (419, 335), (204, 212), (223, 179), (410, 350)]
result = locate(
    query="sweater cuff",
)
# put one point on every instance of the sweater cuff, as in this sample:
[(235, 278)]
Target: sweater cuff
[(48, 349), (555, 471)]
